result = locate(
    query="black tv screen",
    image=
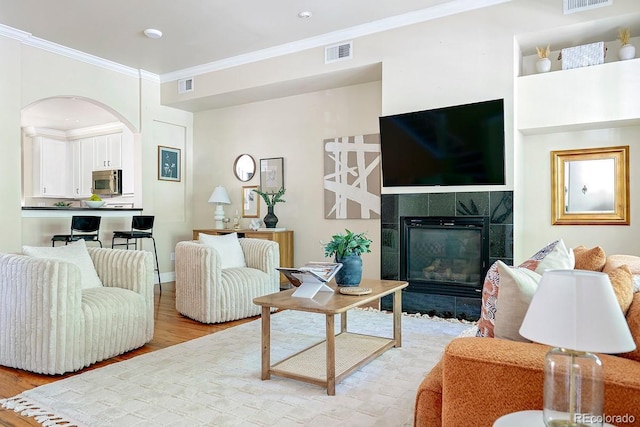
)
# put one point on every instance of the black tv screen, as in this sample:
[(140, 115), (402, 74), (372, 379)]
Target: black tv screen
[(459, 145)]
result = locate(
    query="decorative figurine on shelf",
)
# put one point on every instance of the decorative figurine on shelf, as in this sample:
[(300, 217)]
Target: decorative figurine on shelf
[(226, 222), (255, 224)]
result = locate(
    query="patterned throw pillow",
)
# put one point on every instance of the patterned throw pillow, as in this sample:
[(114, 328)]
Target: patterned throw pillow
[(554, 255)]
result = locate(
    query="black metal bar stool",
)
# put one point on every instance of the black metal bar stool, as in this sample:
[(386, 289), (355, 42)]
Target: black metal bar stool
[(82, 227), (141, 228)]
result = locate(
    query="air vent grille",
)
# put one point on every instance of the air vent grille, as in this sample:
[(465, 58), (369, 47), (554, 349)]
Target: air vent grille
[(571, 6), (338, 52), (185, 85)]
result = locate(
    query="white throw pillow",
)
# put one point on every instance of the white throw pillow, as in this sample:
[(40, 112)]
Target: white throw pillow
[(228, 246), (517, 286), (74, 253)]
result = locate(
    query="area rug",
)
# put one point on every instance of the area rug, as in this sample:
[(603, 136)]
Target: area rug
[(215, 380)]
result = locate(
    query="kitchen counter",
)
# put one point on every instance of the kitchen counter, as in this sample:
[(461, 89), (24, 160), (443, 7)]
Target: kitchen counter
[(61, 212)]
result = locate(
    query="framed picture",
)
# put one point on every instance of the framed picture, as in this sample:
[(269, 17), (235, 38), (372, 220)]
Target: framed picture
[(169, 164), (271, 175), (250, 202)]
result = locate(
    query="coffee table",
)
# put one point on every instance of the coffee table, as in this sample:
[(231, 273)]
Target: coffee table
[(344, 352)]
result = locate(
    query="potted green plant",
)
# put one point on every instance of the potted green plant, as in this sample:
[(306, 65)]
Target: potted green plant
[(346, 249), (270, 219)]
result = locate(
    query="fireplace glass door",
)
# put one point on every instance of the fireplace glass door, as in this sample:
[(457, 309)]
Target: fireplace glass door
[(444, 255)]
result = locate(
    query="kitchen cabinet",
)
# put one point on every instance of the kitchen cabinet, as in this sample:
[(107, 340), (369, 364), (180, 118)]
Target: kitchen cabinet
[(82, 162), (107, 152), (49, 166)]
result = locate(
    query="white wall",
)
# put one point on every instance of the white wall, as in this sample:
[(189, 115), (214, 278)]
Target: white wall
[(536, 188), (458, 59), (293, 128), (30, 74)]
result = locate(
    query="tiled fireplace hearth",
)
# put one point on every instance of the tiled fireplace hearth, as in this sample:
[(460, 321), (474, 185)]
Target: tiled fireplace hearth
[(428, 292)]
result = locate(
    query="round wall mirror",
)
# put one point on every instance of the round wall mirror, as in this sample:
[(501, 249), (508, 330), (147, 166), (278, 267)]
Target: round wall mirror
[(244, 167)]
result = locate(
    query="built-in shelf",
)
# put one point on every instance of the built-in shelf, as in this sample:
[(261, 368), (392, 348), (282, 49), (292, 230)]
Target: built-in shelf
[(595, 97)]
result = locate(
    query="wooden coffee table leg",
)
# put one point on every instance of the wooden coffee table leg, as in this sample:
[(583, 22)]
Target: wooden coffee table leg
[(343, 321), (266, 342), (331, 355), (397, 318)]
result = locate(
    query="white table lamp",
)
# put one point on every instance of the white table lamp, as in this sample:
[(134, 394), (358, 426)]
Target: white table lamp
[(219, 197), (577, 313)]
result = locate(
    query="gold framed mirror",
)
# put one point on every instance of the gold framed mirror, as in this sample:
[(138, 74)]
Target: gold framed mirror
[(590, 186)]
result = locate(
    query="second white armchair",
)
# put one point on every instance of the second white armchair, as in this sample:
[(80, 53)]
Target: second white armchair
[(208, 293)]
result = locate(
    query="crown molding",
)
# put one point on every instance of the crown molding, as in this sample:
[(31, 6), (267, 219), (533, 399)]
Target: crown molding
[(104, 129), (29, 40), (422, 15)]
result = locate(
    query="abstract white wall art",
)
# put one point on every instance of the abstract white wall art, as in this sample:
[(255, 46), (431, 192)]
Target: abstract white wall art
[(352, 177)]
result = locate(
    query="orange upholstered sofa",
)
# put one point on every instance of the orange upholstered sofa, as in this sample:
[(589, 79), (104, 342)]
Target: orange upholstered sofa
[(480, 379)]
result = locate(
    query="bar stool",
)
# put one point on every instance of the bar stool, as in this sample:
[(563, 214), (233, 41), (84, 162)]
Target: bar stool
[(141, 228), (82, 227)]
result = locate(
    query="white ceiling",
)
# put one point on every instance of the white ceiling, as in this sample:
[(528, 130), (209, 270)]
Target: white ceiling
[(197, 32)]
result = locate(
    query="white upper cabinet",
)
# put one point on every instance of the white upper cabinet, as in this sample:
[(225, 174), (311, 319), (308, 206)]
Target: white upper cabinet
[(49, 166), (107, 152), (82, 166)]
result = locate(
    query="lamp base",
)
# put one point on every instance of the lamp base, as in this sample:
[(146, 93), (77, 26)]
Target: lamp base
[(219, 217), (566, 423), (573, 389)]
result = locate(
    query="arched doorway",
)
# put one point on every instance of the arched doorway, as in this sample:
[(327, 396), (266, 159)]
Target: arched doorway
[(62, 139)]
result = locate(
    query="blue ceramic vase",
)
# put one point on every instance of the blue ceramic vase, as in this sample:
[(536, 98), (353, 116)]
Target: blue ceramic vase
[(351, 272)]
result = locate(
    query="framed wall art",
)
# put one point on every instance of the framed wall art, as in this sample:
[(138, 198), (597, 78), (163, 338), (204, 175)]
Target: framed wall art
[(271, 175), (352, 177), (169, 168), (250, 202)]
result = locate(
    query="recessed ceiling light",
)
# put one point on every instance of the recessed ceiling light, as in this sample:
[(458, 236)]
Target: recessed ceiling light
[(152, 33), (305, 14)]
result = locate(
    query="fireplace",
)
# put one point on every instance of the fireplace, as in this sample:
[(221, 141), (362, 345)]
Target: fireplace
[(444, 255)]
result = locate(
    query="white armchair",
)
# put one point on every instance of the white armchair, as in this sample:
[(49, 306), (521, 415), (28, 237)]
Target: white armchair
[(210, 294), (50, 325)]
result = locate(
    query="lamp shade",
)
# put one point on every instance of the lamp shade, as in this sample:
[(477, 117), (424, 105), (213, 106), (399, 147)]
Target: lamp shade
[(220, 195), (577, 310)]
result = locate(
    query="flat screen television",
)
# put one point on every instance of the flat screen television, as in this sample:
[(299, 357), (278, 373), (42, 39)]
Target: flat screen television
[(458, 145)]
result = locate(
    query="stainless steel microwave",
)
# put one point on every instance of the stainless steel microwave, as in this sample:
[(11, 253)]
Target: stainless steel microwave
[(107, 182)]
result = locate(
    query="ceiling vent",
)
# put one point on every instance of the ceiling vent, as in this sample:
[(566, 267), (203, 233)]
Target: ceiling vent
[(338, 52), (185, 85), (571, 6)]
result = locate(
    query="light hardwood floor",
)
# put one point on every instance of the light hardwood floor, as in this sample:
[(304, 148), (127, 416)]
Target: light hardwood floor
[(170, 328)]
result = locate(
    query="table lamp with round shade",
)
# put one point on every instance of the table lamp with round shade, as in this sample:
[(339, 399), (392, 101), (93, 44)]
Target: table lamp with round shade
[(577, 313)]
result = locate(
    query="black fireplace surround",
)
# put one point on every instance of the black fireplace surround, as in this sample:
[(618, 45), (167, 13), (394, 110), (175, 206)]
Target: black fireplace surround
[(433, 288)]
